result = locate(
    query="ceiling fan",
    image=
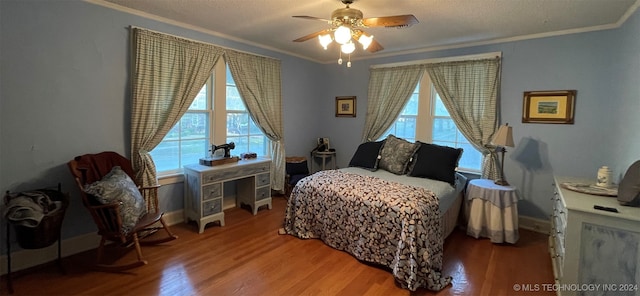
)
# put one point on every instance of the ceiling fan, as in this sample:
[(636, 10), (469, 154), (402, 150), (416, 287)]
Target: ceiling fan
[(346, 25)]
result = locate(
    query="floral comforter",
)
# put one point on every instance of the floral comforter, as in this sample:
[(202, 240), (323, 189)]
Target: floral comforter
[(378, 221)]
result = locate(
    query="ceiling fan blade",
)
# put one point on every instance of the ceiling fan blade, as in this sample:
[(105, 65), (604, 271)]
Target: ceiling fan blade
[(391, 21), (313, 18), (374, 46), (312, 35)]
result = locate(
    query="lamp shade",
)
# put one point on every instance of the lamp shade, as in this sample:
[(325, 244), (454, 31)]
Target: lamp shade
[(504, 136)]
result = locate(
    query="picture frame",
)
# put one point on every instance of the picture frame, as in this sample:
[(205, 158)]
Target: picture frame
[(552, 106), (346, 106)]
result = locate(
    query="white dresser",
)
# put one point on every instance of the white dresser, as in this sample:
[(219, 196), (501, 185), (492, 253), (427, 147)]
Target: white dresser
[(204, 188), (594, 252)]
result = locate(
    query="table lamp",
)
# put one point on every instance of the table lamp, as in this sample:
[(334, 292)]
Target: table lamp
[(503, 138)]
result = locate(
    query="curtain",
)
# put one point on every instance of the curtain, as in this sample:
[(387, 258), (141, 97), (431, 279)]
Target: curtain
[(168, 73), (258, 81), (389, 90), (469, 91)]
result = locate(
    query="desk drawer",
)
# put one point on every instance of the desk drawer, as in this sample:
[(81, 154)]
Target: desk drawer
[(263, 179), (211, 207), (212, 191), (263, 192), (234, 172)]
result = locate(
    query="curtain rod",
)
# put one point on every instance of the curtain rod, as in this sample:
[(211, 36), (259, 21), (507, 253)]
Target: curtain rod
[(199, 41), (481, 56)]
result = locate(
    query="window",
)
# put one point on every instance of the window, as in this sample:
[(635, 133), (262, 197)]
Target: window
[(426, 119), (216, 116)]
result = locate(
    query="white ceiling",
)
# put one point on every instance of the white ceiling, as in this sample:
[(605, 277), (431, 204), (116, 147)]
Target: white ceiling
[(442, 23)]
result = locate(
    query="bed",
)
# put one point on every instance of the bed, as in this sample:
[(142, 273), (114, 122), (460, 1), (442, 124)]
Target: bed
[(383, 215)]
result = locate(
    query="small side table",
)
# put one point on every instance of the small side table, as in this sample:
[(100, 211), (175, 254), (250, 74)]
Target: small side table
[(331, 155), (493, 211)]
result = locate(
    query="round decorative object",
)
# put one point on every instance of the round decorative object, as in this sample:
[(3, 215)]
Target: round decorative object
[(629, 191)]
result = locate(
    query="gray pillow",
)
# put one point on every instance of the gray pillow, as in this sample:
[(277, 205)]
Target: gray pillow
[(116, 186), (395, 154)]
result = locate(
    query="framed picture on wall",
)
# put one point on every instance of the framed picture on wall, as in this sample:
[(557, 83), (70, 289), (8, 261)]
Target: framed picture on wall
[(553, 106), (346, 106)]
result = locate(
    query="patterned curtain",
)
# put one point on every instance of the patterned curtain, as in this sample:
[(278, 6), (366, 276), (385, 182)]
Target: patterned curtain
[(469, 91), (168, 73), (389, 90), (258, 81)]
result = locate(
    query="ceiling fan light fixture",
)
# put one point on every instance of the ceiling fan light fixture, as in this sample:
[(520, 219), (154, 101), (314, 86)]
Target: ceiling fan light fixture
[(365, 41), (348, 48), (342, 34), (325, 40)]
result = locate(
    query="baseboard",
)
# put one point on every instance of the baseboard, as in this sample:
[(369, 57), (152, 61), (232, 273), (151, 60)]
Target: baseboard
[(23, 258), (534, 224)]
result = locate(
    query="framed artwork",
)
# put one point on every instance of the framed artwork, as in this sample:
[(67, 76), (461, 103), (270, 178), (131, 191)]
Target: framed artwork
[(346, 106), (553, 106)]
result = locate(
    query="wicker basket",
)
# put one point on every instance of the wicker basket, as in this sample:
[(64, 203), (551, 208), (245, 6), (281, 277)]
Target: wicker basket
[(48, 231)]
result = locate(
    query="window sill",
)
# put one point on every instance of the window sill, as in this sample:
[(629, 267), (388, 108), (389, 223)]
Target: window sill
[(172, 178)]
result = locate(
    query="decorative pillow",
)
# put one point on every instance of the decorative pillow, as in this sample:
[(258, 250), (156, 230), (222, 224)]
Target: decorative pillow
[(367, 155), (396, 153), (116, 186), (297, 168), (436, 162)]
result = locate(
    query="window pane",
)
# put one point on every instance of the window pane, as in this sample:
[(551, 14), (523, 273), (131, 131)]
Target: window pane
[(200, 102), (173, 134), (258, 144), (444, 129), (230, 77), (440, 109), (405, 127), (253, 128), (241, 144), (193, 150), (166, 156), (234, 102), (412, 106), (237, 124), (194, 125)]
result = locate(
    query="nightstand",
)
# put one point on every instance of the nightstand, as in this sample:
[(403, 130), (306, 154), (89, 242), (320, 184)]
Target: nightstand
[(324, 156), (492, 211)]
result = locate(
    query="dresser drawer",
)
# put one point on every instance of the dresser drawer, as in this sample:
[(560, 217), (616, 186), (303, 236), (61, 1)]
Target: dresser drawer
[(263, 192), (263, 179), (211, 191), (211, 207)]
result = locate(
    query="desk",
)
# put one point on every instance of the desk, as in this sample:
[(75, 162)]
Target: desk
[(204, 188), (331, 155), (493, 211)]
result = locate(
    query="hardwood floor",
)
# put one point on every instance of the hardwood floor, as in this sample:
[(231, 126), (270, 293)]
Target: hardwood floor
[(248, 257)]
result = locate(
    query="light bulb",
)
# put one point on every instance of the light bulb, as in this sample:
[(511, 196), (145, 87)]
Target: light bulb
[(365, 40), (340, 61), (342, 35), (325, 40), (349, 64), (348, 47)]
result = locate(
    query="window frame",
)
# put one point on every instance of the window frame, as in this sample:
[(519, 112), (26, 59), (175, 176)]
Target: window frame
[(217, 113)]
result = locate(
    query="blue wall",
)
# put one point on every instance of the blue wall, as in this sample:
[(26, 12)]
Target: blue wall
[(65, 92)]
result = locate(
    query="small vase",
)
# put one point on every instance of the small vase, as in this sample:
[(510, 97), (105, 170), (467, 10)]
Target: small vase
[(604, 177)]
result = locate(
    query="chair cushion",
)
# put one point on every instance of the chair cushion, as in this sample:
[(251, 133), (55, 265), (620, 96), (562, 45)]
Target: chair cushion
[(436, 162), (293, 180), (396, 153), (367, 155), (117, 187), (297, 168)]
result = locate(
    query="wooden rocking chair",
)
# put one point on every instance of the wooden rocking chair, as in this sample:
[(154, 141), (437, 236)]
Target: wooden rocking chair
[(89, 168)]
